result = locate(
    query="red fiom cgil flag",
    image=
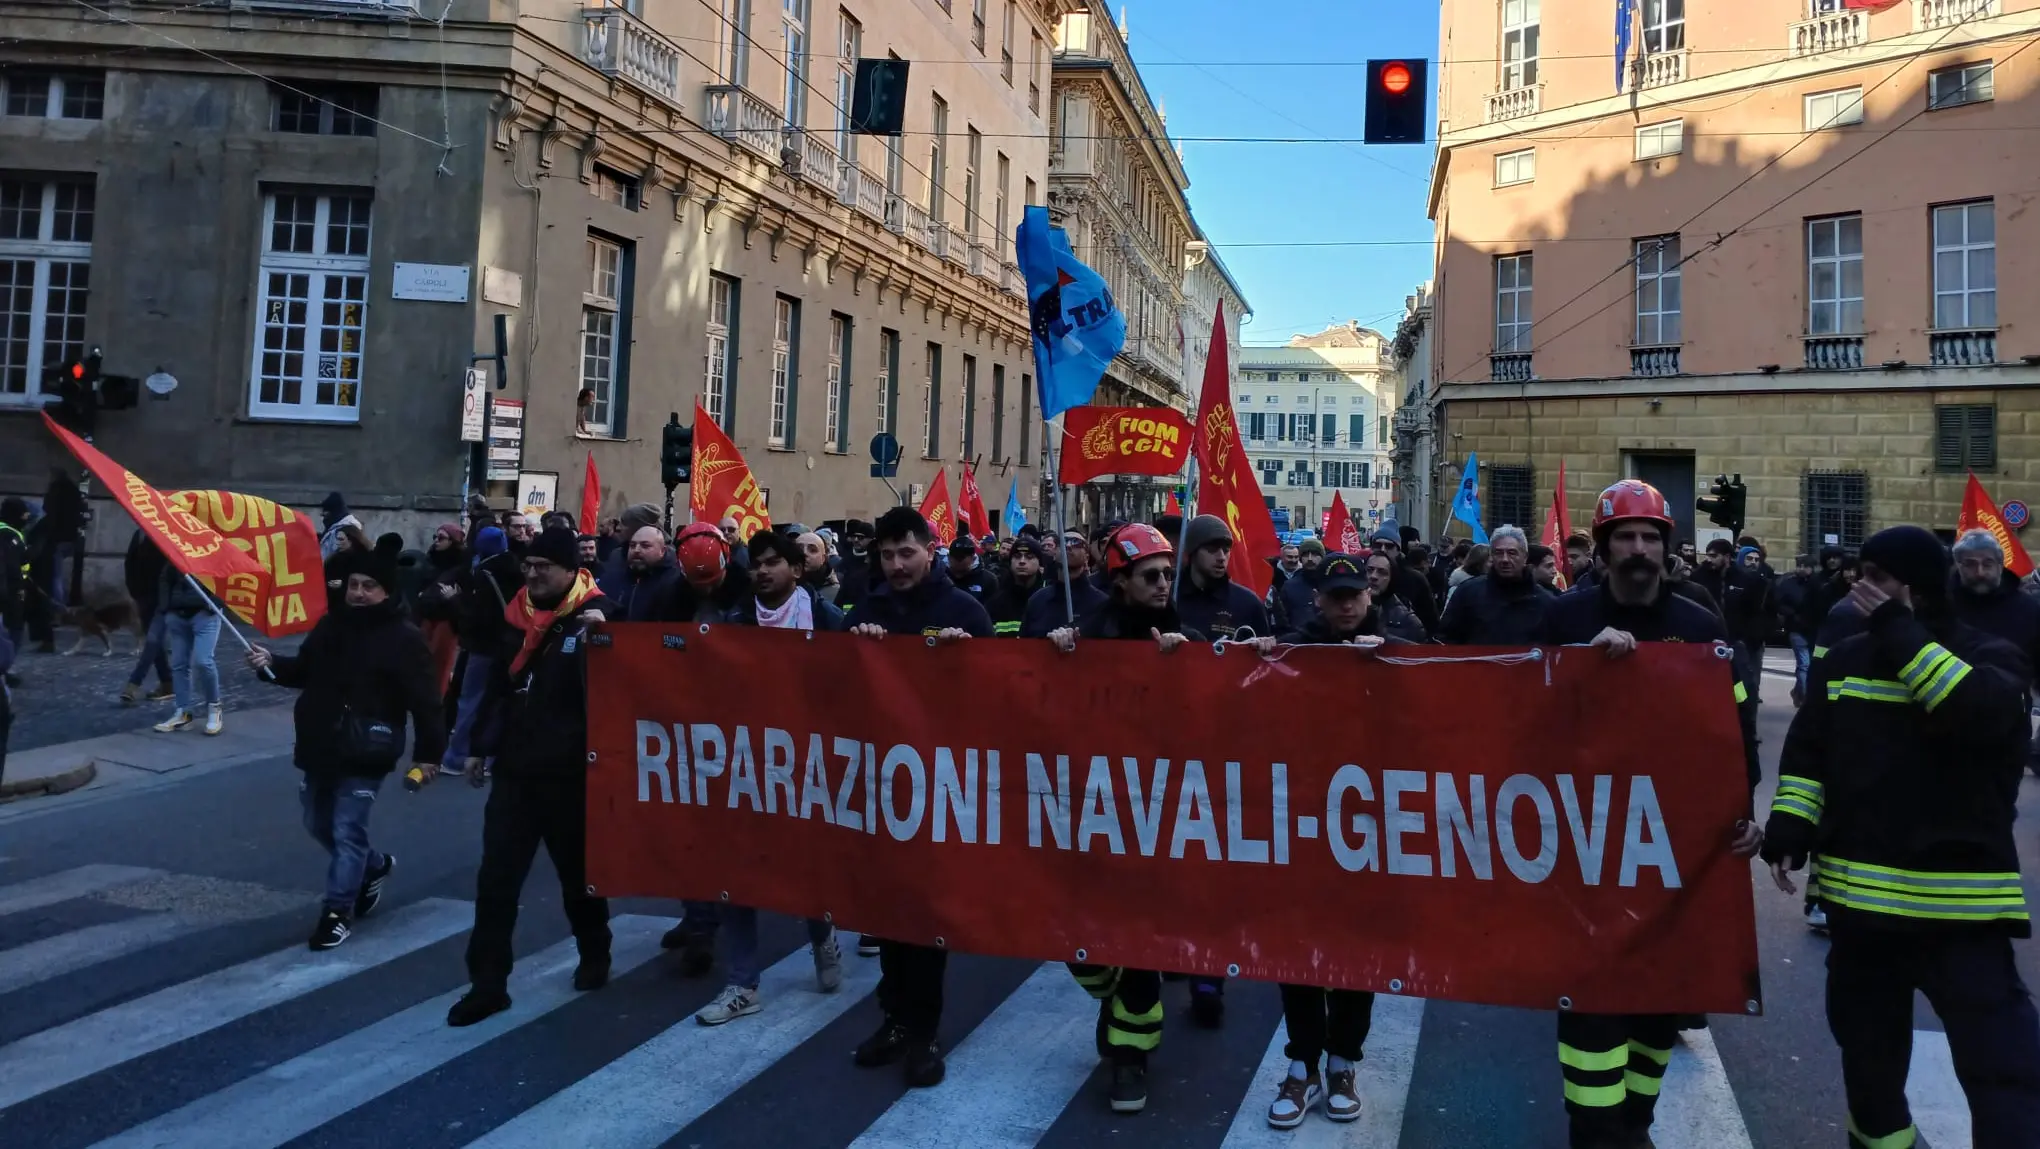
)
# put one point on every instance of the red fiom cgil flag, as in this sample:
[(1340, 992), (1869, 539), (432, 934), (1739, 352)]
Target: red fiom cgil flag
[(1558, 525), (1342, 533), (723, 484), (939, 511), (971, 507), (1979, 513)]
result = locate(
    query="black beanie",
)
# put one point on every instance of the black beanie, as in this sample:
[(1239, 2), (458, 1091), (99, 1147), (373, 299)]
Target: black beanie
[(378, 564), (1912, 555), (557, 545)]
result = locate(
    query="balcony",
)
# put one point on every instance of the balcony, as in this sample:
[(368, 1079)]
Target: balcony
[(859, 189), (1654, 361), (1011, 281), (620, 46), (1658, 69), (1509, 368), (1834, 352), (1514, 103), (909, 219), (950, 244), (1931, 14), (811, 157), (980, 262), (742, 118), (1975, 348), (1830, 32)]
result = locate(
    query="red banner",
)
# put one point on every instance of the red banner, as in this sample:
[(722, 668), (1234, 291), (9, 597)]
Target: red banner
[(1226, 485), (1557, 528), (591, 498), (1121, 812), (288, 594), (1122, 441), (722, 485), (1979, 512), (1342, 534), (971, 506), (939, 511), (193, 547)]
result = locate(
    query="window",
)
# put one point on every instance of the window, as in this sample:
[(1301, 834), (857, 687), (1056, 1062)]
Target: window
[(1657, 291), (54, 95), (1033, 73), (1834, 275), (1516, 167), (1356, 430), (931, 404), (314, 276), (1965, 266), (1274, 377), (1666, 139), (1026, 419), (1512, 305), (1519, 44), (836, 428), (1006, 46), (1030, 200), (938, 158), (1330, 431), (1281, 427), (1965, 437), (1257, 425), (1833, 109), (1511, 494), (1664, 25), (1002, 239), (977, 25), (605, 331), (973, 158), (1271, 472), (720, 387), (888, 381), (45, 273), (313, 109), (736, 41), (1953, 87), (612, 186), (793, 33), (1333, 473), (1299, 473), (850, 46), (998, 413), (1836, 510), (967, 435), (785, 371)]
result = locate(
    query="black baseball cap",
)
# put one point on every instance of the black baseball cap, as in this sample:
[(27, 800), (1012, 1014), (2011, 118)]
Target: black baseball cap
[(1342, 572)]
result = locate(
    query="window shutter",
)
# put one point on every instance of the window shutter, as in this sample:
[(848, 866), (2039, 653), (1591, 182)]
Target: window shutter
[(1950, 425), (1982, 436)]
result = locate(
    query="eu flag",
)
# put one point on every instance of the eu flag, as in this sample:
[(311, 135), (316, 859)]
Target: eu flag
[(1077, 326)]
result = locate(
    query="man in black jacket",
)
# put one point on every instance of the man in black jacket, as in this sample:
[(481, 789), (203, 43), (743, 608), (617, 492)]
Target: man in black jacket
[(1745, 602), (535, 724), (1796, 596), (1412, 582), (1008, 604), (1047, 610), (1989, 598), (359, 672), (966, 573), (1210, 602), (648, 578), (1504, 607)]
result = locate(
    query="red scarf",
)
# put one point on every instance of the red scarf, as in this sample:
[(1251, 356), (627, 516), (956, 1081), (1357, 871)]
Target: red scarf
[(534, 622)]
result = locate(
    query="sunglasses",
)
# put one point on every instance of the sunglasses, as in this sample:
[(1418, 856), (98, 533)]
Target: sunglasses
[(1156, 576)]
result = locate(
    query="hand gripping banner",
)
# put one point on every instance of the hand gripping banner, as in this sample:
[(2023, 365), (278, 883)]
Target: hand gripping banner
[(1135, 808)]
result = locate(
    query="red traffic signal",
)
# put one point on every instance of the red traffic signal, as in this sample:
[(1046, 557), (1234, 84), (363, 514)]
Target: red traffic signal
[(1398, 94), (1395, 78), (78, 369)]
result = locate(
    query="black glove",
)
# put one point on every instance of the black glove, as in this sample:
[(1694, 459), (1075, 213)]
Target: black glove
[(1788, 838)]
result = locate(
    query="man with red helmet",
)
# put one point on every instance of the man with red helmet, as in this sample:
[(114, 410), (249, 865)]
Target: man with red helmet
[(1614, 1063)]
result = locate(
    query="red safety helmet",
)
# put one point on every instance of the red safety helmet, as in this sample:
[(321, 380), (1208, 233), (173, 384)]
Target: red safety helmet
[(1132, 543), (702, 552), (1632, 499)]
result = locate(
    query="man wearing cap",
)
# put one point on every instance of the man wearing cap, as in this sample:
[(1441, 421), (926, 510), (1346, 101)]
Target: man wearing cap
[(965, 572), (1209, 601), (1297, 600), (1008, 604), (1047, 610), (856, 570), (1900, 778), (1410, 584)]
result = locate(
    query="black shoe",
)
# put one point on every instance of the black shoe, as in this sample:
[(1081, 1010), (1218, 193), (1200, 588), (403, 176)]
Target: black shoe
[(924, 1067), (883, 1047), (697, 949), (867, 945), (370, 896), (1207, 1005), (331, 931), (592, 973), (1129, 1087), (475, 1005)]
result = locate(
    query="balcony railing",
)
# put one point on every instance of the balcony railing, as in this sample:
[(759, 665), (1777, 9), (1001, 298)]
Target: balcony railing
[(909, 219), (1514, 102), (1931, 14), (621, 46), (950, 244), (1654, 360), (1012, 281), (742, 118), (1834, 352), (1962, 348), (980, 260), (859, 189), (1509, 368), (1831, 32), (813, 158), (1658, 69)]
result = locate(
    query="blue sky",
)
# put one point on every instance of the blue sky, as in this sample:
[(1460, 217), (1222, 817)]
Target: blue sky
[(1285, 193)]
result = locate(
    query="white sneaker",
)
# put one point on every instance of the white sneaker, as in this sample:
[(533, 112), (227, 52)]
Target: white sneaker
[(1816, 918), (829, 964), (1294, 1099), (213, 725), (732, 1003), (178, 720)]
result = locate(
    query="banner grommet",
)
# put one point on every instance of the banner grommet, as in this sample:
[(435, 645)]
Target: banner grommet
[(1753, 1007), (1395, 985), (1565, 1003), (931, 640), (723, 896), (828, 917), (591, 756), (941, 943), (704, 628), (1082, 955), (1232, 969)]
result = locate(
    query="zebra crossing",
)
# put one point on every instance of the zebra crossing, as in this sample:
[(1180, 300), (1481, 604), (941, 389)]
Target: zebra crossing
[(284, 1046)]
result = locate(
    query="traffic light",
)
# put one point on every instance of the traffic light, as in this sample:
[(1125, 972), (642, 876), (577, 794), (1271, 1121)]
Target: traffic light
[(879, 107), (676, 452), (1398, 93), (1725, 504), (75, 383)]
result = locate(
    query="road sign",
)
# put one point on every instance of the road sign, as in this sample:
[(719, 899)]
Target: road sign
[(885, 456), (2017, 515), (473, 395)]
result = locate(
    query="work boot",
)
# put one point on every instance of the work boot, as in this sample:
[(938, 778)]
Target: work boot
[(1128, 1091), (882, 1047), (924, 1065), (828, 965), (130, 693), (592, 973), (697, 949), (475, 1005), (1207, 1004)]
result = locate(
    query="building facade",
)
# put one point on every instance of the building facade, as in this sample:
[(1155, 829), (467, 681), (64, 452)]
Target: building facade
[(1770, 243), (1316, 417), (1207, 288), (1414, 432)]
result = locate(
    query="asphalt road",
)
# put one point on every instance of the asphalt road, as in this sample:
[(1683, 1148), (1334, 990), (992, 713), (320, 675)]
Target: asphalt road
[(66, 698), (171, 1003)]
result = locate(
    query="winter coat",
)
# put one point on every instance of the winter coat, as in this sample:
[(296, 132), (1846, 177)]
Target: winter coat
[(1221, 609), (934, 604), (1318, 632), (485, 593), (179, 595), (1409, 584), (1045, 610), (1114, 619), (1745, 601), (827, 617), (2004, 613), (1296, 602), (978, 582), (1485, 611), (535, 723), (369, 660), (1796, 596), (640, 596), (1008, 605)]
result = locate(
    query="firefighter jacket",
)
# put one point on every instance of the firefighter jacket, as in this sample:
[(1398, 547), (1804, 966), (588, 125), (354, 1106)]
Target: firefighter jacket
[(1900, 775)]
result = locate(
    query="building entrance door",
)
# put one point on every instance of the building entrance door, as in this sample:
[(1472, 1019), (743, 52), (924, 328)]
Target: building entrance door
[(1672, 475)]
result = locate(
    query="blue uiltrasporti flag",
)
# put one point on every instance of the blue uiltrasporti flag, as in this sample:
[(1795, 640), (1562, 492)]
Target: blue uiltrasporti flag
[(1077, 326)]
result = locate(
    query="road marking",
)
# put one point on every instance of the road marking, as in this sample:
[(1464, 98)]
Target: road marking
[(648, 1095), (78, 949), (57, 1057), (1696, 1107), (1383, 1082), (291, 1099), (67, 885), (1939, 1107), (1009, 1080)]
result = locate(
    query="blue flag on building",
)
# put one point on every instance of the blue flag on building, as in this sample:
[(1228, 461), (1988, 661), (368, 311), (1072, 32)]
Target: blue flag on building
[(1466, 504), (1624, 17), (1077, 326), (1015, 516)]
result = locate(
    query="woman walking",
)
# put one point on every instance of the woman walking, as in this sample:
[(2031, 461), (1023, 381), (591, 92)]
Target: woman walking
[(192, 630)]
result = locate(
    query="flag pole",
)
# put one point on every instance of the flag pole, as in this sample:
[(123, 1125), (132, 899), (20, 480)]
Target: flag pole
[(1183, 532), (213, 603), (1062, 529)]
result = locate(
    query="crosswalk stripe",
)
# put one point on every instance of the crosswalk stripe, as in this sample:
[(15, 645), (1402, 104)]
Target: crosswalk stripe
[(57, 1057), (1696, 1107), (643, 1098), (1010, 1078), (65, 885), (291, 1099), (1390, 1058), (1939, 1107), (69, 952)]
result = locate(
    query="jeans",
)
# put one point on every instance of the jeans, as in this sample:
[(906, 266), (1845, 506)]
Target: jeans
[(192, 668), (154, 653), (474, 681), (336, 816), (1802, 660), (740, 925)]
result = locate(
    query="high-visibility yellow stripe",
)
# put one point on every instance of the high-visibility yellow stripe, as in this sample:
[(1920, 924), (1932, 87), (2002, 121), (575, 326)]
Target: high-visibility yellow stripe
[(1742, 693), (1661, 1056), (1596, 1096), (1796, 806), (1006, 628), (1922, 664), (1820, 651), (1932, 879), (1635, 1082), (1592, 1060), (1814, 789), (1944, 684), (1905, 1138), (1870, 690)]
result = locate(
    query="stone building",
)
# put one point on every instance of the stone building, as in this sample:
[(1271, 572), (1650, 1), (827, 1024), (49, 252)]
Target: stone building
[(1786, 238), (1315, 416), (1415, 452)]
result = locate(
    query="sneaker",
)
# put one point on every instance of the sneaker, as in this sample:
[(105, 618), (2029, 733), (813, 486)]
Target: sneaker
[(213, 725), (592, 973), (867, 946), (1816, 918), (1207, 1005), (732, 1003), (164, 692), (882, 1047), (1294, 1099), (1342, 1100), (829, 965), (476, 1004), (130, 693), (924, 1066), (178, 720), (1128, 1093), (331, 931), (370, 896)]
